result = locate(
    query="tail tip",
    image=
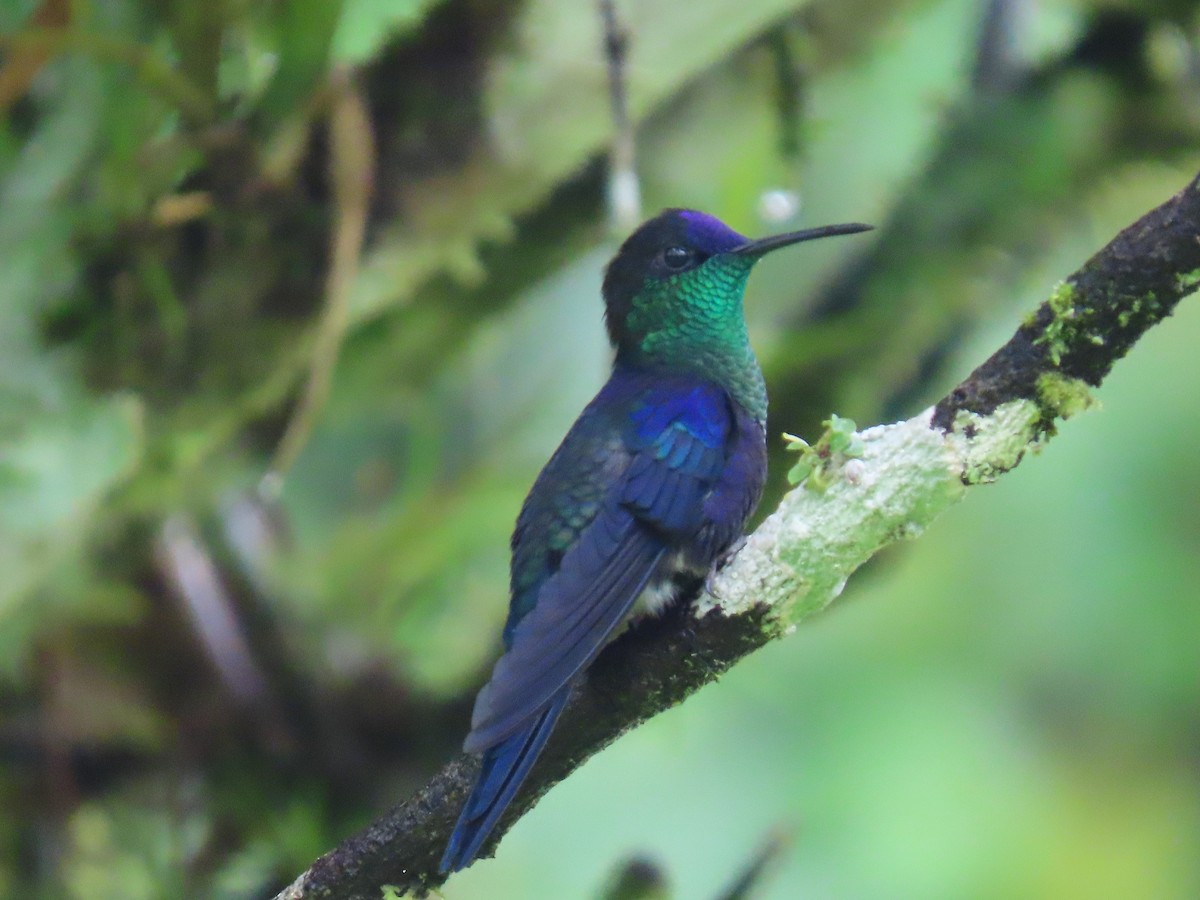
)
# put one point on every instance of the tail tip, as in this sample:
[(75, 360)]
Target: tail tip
[(461, 849), (452, 859)]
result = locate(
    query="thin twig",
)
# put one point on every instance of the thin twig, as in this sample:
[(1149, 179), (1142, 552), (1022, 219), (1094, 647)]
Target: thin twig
[(624, 190), (755, 872), (998, 66), (351, 173)]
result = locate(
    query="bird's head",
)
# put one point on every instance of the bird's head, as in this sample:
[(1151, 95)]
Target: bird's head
[(675, 287)]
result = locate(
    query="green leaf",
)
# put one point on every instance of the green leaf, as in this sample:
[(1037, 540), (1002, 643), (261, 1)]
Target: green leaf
[(305, 35), (800, 471), (366, 25)]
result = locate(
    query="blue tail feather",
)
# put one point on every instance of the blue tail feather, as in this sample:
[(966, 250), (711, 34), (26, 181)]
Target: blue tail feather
[(504, 769)]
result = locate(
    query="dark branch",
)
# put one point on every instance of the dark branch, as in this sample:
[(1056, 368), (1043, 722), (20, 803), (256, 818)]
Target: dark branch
[(1096, 315), (1091, 322), (651, 668), (765, 859)]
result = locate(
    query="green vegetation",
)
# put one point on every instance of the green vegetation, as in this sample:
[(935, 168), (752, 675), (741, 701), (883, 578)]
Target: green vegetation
[(219, 655), (1062, 397), (837, 443)]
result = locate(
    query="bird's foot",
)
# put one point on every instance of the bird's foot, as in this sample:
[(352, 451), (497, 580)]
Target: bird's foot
[(722, 561)]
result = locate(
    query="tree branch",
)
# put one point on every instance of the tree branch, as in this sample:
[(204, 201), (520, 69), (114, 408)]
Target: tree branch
[(796, 563), (1095, 316)]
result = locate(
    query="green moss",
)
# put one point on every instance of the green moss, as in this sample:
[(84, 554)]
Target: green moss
[(1062, 299), (1188, 281), (1062, 397), (838, 443), (1148, 306), (1072, 324), (1065, 321)]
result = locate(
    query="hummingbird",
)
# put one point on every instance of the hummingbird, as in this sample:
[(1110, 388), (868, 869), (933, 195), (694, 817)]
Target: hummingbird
[(648, 491)]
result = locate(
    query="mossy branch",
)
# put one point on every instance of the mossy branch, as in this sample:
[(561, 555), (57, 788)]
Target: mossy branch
[(796, 563)]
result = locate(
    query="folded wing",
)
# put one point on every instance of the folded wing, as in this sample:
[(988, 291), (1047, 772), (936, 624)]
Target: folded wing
[(675, 436)]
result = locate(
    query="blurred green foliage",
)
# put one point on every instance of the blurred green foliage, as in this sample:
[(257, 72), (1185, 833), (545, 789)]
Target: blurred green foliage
[(205, 682)]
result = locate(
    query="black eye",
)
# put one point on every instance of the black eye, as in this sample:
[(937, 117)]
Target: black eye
[(676, 257)]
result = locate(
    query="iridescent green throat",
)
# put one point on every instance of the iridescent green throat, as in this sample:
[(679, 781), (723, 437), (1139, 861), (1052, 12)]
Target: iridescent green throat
[(693, 322)]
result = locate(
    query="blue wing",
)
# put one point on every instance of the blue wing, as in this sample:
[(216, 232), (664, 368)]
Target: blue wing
[(678, 439), (672, 451), (597, 584)]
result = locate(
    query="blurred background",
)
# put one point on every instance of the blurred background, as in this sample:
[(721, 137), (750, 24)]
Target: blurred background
[(296, 298)]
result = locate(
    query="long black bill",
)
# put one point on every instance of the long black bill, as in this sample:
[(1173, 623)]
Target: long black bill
[(775, 241)]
